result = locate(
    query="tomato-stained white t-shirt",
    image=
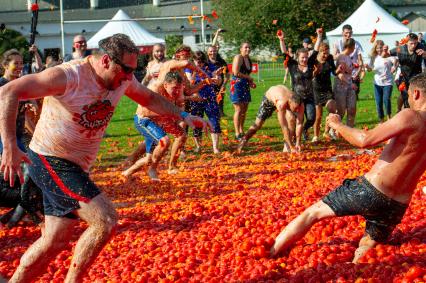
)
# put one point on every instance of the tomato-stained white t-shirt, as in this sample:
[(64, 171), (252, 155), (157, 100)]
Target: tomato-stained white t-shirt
[(72, 124)]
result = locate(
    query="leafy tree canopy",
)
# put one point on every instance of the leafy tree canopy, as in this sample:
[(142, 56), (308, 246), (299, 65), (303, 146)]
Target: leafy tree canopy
[(258, 21), (10, 39)]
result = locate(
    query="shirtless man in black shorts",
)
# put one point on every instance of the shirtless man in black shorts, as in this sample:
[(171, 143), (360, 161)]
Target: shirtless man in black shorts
[(382, 195), (290, 116)]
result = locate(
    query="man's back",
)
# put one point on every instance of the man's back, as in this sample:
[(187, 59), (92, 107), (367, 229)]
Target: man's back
[(403, 160)]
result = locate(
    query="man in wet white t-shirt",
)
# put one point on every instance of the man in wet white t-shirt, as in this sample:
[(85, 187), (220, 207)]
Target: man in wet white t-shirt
[(80, 98)]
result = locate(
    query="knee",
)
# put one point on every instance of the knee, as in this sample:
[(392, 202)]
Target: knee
[(107, 222), (164, 142), (56, 242), (367, 242)]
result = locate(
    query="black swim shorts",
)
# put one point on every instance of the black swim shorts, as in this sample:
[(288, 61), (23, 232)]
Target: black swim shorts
[(266, 109), (63, 183), (360, 197)]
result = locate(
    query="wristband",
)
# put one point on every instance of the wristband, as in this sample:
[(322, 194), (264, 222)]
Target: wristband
[(184, 114)]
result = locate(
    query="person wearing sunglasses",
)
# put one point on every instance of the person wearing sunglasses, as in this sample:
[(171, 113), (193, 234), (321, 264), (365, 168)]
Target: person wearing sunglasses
[(79, 48), (79, 100)]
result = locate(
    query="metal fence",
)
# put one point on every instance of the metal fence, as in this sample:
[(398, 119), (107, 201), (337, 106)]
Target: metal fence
[(268, 70)]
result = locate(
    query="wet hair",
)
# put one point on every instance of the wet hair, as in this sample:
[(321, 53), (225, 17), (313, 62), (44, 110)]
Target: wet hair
[(412, 37), (173, 77), (118, 44), (323, 46), (349, 43), (349, 27), (183, 49), (7, 56), (200, 55), (296, 98), (373, 52), (419, 82), (301, 50), (244, 42), (159, 45)]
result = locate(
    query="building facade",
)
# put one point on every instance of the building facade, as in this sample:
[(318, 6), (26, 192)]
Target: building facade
[(159, 17)]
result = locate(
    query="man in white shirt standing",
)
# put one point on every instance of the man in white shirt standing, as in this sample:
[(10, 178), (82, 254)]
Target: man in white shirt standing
[(356, 56)]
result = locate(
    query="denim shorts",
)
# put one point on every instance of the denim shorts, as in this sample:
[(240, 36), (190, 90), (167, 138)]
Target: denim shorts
[(152, 132)]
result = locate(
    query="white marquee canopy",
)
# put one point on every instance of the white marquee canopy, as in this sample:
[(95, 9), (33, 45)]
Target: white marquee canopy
[(122, 23), (368, 17)]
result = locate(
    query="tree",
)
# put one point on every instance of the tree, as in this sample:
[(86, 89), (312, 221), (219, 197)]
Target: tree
[(10, 39), (254, 21), (172, 43)]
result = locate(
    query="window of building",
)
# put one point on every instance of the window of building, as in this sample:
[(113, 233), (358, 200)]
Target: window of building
[(197, 38)]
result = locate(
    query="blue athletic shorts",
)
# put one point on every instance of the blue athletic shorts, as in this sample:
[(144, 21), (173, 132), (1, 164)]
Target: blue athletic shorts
[(151, 132), (63, 184)]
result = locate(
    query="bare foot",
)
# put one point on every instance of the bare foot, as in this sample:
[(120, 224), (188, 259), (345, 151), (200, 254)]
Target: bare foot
[(173, 171), (241, 145), (152, 173), (126, 174), (286, 148)]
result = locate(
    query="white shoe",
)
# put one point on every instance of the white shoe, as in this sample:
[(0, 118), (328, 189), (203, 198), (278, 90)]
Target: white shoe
[(332, 134), (315, 139)]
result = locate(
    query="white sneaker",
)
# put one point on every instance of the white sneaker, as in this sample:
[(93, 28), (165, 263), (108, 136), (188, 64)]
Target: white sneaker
[(332, 134), (315, 139)]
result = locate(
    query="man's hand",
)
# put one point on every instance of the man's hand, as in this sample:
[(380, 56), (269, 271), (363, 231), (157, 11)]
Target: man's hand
[(33, 48), (197, 122), (281, 35), (11, 164), (333, 120), (420, 52), (197, 70), (320, 31)]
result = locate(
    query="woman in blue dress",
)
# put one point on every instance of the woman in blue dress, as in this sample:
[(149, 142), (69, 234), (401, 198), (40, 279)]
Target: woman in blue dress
[(240, 87)]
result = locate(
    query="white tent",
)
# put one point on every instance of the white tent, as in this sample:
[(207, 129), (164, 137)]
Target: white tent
[(122, 23), (364, 20)]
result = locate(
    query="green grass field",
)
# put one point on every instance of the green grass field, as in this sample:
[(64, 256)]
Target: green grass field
[(123, 136)]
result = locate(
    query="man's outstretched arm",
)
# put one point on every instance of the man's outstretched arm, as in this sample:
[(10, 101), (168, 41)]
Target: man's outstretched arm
[(401, 122)]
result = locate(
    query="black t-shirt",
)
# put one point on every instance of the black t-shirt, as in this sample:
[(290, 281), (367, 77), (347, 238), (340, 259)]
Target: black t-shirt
[(410, 64), (322, 80), (20, 120), (301, 81)]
